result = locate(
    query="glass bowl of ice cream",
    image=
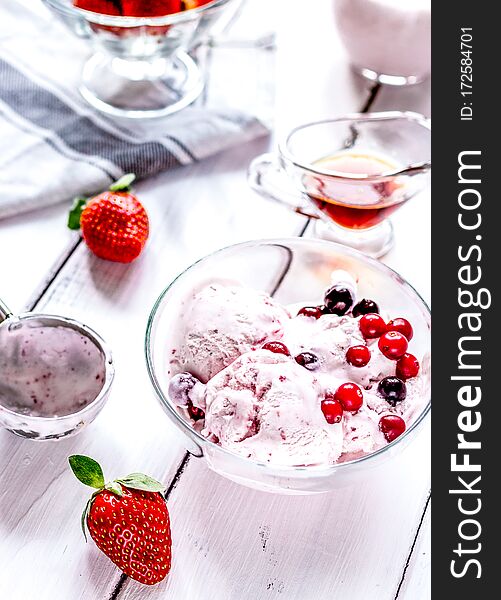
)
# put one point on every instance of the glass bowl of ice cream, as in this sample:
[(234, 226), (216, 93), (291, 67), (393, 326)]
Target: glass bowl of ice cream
[(140, 66), (291, 365)]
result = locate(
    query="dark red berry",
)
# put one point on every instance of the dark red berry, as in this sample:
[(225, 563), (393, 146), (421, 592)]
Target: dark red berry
[(350, 396), (277, 348), (180, 387), (392, 427), (332, 409), (307, 360), (358, 356), (392, 389), (364, 307), (312, 311), (197, 414), (407, 366), (402, 326), (338, 300), (372, 326), (393, 345)]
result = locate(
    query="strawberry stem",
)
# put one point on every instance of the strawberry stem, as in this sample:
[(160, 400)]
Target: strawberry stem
[(114, 487), (140, 481), (123, 184)]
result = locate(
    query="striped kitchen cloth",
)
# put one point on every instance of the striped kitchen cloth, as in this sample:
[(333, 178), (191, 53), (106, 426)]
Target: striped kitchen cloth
[(54, 146)]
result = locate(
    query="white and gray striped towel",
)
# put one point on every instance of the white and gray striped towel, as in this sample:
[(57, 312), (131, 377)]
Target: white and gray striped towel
[(53, 146)]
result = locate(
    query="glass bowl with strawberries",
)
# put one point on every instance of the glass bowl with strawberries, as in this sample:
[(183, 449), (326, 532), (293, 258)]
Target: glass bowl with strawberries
[(140, 66), (292, 365)]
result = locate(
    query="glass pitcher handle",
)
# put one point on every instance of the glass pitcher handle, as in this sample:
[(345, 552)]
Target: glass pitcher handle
[(268, 178), (5, 313)]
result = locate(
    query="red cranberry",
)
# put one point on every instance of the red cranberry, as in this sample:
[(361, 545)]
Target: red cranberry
[(392, 427), (372, 326), (350, 396), (338, 300), (407, 367), (402, 326), (277, 348), (307, 360), (392, 389), (393, 345), (358, 356), (311, 311), (197, 414), (332, 409), (364, 307)]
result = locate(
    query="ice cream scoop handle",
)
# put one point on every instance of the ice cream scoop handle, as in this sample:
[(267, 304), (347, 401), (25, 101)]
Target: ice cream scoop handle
[(4, 311)]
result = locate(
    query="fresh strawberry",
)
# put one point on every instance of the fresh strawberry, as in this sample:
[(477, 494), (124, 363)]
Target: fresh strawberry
[(103, 7), (150, 8), (128, 520), (114, 224)]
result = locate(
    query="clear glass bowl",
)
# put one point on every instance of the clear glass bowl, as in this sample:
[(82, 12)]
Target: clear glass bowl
[(285, 268), (140, 67), (51, 428)]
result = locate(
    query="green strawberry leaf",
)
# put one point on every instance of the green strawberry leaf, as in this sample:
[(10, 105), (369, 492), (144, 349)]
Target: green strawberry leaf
[(87, 470), (139, 481), (123, 184), (76, 212)]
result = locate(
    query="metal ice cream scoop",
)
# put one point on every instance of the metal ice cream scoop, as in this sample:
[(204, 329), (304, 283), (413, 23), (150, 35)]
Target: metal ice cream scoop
[(55, 374)]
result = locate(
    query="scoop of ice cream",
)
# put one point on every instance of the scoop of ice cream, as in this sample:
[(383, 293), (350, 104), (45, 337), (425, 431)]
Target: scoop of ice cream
[(47, 371), (266, 407), (220, 323)]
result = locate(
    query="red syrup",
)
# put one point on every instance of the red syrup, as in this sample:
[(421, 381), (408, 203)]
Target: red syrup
[(352, 203), (139, 8)]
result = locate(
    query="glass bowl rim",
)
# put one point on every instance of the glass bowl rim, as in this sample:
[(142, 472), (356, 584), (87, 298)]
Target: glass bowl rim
[(286, 470), (108, 366), (414, 169), (67, 8)]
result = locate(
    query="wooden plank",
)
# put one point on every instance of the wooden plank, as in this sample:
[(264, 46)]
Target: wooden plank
[(416, 584), (31, 247)]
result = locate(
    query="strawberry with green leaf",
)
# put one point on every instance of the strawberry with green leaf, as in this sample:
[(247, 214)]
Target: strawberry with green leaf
[(128, 520), (114, 224)]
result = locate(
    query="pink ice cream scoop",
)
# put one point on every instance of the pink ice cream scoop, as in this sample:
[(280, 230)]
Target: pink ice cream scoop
[(265, 406), (219, 323)]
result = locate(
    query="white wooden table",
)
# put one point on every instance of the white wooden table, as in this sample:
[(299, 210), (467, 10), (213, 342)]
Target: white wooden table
[(369, 542)]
